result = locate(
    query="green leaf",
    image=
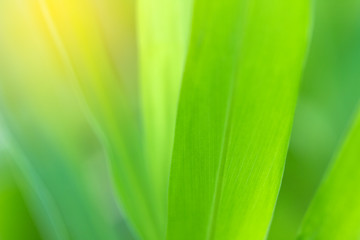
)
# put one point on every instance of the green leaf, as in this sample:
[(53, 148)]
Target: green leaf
[(235, 115), (334, 212), (163, 32)]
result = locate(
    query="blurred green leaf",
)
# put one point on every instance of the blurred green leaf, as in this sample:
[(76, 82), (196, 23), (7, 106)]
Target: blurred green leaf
[(163, 28), (234, 118), (335, 211)]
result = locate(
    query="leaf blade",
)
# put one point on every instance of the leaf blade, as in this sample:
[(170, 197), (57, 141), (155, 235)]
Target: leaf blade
[(234, 59)]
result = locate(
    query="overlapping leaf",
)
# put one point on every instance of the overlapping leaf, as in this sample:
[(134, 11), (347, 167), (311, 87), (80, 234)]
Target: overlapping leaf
[(335, 211)]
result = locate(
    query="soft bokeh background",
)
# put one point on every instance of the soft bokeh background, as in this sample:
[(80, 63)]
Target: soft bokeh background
[(328, 97)]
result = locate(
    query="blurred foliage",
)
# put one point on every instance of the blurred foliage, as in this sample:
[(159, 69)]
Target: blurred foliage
[(53, 171)]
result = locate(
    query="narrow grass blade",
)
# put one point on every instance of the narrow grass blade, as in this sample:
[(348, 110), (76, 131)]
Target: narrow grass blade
[(163, 31), (335, 211), (234, 118)]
